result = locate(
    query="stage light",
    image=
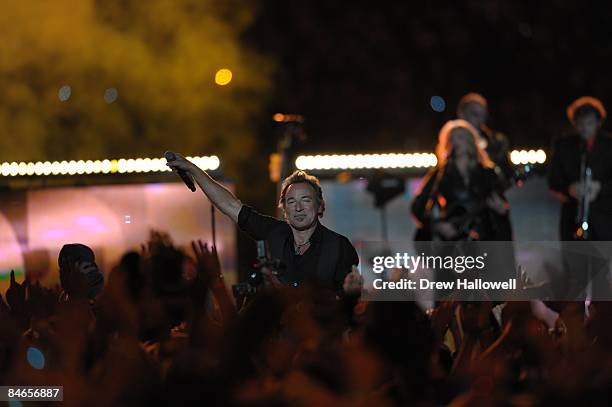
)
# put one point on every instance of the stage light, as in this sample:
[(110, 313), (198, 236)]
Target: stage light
[(121, 166), (55, 168), (107, 166), (80, 167), (38, 168), (114, 166), (97, 167), (211, 163), (223, 77), (46, 168), (14, 169), (63, 167), (89, 167), (365, 161), (287, 118), (528, 157), (71, 167)]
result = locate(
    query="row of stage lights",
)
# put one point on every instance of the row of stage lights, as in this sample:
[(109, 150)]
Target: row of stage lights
[(528, 157), (121, 166), (413, 160), (303, 162), (365, 161)]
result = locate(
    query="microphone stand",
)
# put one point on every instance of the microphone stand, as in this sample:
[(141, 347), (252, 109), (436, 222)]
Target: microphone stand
[(582, 218)]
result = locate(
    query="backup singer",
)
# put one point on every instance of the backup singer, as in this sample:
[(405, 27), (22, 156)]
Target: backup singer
[(474, 108)]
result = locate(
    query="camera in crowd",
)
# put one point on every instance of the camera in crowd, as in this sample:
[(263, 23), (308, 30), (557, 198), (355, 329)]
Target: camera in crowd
[(255, 278)]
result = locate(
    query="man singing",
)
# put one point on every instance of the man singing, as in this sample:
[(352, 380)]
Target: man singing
[(310, 252)]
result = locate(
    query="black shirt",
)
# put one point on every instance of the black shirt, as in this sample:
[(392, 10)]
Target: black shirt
[(326, 262)]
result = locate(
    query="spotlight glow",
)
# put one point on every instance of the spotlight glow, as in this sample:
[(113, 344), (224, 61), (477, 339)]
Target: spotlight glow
[(437, 103), (528, 157), (223, 77), (35, 358)]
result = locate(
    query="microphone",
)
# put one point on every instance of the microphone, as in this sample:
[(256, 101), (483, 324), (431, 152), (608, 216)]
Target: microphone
[(170, 156)]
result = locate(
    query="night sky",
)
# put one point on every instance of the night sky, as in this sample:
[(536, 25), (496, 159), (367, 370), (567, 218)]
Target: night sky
[(363, 72)]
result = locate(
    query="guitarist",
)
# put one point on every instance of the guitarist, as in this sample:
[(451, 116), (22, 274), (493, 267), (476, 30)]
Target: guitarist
[(461, 198)]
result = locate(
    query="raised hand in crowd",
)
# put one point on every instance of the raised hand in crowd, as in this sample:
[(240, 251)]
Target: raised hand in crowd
[(210, 276), (41, 301), (16, 295), (207, 261)]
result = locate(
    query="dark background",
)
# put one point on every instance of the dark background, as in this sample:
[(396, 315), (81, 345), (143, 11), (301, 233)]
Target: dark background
[(363, 73)]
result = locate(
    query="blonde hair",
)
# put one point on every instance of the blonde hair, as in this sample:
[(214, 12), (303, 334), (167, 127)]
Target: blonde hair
[(445, 146)]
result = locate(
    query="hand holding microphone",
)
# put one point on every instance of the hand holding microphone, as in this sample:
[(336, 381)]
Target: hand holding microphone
[(182, 167)]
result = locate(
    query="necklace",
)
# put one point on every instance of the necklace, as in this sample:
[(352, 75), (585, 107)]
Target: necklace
[(298, 247)]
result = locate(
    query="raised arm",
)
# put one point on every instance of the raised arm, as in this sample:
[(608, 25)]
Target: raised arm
[(220, 196)]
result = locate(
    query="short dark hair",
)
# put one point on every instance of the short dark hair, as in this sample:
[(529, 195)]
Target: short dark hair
[(586, 105), (302, 177)]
